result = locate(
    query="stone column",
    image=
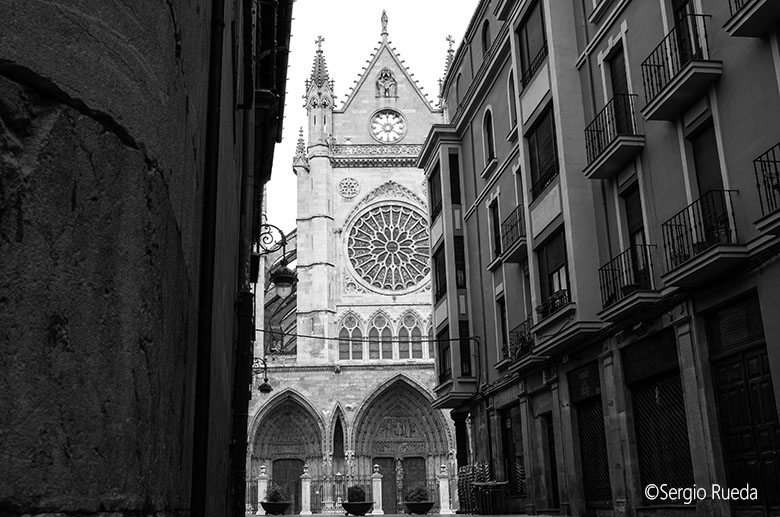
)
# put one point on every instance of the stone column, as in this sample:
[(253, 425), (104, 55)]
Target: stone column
[(461, 437), (525, 422), (376, 489), (262, 488), (443, 477), (613, 431), (305, 491), (560, 447)]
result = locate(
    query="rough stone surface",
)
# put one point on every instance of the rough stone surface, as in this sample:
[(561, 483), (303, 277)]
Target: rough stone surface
[(102, 111)]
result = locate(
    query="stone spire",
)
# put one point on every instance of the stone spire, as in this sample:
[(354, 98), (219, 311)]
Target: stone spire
[(300, 159), (319, 70), (447, 64)]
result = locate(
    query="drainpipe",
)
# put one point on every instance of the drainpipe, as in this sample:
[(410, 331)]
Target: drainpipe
[(200, 441)]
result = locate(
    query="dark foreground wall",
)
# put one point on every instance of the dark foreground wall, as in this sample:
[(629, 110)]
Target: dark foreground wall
[(102, 115)]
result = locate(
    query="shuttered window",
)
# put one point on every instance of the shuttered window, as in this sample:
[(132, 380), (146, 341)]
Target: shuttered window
[(542, 152), (633, 205), (532, 40), (705, 157), (552, 266)]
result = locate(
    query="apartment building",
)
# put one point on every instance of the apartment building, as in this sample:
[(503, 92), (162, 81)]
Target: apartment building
[(605, 231)]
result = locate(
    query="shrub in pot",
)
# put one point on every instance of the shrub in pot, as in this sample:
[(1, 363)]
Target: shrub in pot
[(417, 500), (356, 503), (277, 501)]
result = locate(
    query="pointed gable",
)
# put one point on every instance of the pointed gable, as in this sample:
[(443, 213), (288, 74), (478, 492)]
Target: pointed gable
[(385, 83)]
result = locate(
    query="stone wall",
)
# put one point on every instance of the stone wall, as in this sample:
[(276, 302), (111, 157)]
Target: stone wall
[(102, 124)]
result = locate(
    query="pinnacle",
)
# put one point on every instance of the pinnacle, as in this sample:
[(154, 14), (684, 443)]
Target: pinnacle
[(319, 69)]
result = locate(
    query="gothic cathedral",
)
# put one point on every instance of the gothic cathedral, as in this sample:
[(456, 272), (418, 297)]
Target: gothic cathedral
[(357, 391)]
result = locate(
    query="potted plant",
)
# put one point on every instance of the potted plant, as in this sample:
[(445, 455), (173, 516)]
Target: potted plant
[(417, 501), (276, 500), (356, 503)]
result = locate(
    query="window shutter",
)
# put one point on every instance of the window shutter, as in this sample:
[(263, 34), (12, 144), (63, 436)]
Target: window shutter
[(633, 204), (705, 157)]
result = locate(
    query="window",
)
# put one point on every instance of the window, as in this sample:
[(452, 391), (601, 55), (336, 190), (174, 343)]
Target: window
[(465, 348), (553, 275), (487, 135), (495, 225), (434, 192), (350, 338), (485, 37), (633, 206), (503, 337), (380, 339), (458, 92), (439, 274), (410, 330), (454, 178), (460, 262), (543, 153), (431, 343), (445, 364), (533, 43), (512, 99)]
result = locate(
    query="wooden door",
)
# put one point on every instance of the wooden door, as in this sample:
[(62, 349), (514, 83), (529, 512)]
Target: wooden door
[(750, 427), (287, 474), (414, 474), (389, 491)]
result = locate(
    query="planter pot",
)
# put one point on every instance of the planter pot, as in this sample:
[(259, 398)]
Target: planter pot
[(418, 507), (357, 507), (277, 508)]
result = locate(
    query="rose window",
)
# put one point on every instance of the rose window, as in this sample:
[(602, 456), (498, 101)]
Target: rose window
[(388, 126), (388, 248), (349, 187)]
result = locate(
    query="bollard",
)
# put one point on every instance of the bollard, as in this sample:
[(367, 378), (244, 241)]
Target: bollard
[(262, 488), (305, 491), (376, 489), (444, 491)]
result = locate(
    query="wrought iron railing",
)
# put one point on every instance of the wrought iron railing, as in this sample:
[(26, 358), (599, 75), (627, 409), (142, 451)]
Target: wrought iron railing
[(686, 42), (534, 66), (521, 340), (767, 169), (706, 222), (553, 303), (630, 271), (617, 118), (546, 177), (736, 6), (513, 229)]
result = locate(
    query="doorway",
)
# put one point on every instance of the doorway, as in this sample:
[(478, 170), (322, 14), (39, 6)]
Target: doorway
[(287, 474)]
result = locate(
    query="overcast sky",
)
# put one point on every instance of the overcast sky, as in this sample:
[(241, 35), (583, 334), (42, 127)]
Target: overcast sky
[(352, 28)]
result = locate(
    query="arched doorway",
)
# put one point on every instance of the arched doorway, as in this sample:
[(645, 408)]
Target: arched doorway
[(399, 430), (288, 437)]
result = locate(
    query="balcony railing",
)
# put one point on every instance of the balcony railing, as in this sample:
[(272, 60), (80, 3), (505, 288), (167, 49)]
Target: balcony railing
[(686, 42), (545, 178), (627, 273), (706, 222), (513, 229), (533, 66), (767, 169), (736, 6), (553, 303), (617, 118), (521, 340)]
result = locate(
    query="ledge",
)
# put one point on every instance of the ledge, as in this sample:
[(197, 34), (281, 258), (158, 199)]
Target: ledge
[(598, 11), (754, 20), (489, 168), (684, 89), (769, 224)]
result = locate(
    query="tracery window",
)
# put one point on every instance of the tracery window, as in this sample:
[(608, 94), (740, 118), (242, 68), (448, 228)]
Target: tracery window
[(410, 333), (350, 339), (388, 248), (380, 339)]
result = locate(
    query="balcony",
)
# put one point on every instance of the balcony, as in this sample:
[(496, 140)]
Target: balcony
[(701, 240), (752, 18), (513, 237), (546, 177), (679, 71), (555, 302), (457, 385), (627, 283), (612, 139), (767, 169)]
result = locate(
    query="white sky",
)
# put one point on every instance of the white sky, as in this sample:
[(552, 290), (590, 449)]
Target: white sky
[(352, 28)]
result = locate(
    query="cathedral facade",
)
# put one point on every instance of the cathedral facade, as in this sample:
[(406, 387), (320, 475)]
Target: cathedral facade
[(353, 388)]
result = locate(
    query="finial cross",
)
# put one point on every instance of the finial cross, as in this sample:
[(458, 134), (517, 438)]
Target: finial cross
[(450, 40), (319, 41)]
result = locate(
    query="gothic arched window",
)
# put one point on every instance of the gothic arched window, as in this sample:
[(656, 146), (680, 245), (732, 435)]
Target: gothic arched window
[(350, 339), (487, 133), (410, 333), (380, 339)]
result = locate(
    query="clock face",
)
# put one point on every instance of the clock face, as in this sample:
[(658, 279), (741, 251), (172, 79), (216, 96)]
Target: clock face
[(388, 126)]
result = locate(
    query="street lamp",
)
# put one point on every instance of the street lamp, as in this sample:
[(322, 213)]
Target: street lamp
[(271, 239)]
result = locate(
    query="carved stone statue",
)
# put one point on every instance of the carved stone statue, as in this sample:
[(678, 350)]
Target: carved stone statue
[(384, 21), (386, 84)]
